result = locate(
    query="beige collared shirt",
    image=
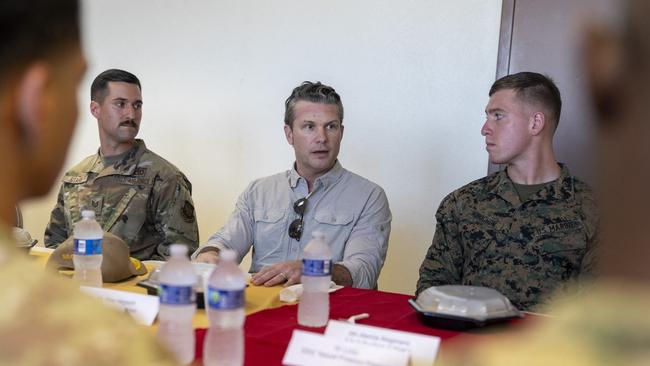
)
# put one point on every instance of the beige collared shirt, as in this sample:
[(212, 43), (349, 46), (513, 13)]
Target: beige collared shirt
[(352, 211)]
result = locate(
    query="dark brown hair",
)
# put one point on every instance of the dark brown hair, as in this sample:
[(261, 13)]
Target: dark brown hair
[(532, 87), (314, 92)]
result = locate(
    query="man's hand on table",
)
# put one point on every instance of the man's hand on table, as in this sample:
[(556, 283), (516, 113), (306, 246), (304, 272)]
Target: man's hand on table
[(287, 273), (208, 256)]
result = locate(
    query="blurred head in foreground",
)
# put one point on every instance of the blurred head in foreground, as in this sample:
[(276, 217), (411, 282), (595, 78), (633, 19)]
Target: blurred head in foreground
[(46, 320), (619, 66), (41, 64)]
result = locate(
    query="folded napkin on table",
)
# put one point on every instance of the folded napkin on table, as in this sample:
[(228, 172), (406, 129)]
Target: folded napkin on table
[(292, 293)]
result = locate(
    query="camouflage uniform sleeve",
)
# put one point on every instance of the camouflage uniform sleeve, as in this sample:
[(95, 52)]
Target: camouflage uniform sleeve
[(174, 214), (57, 230), (443, 262)]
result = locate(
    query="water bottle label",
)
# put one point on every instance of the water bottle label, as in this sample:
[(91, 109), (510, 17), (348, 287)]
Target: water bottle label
[(316, 267), (87, 246), (225, 299), (176, 295)]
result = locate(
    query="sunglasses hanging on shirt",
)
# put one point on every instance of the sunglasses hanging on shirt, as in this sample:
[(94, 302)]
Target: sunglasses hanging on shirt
[(296, 226)]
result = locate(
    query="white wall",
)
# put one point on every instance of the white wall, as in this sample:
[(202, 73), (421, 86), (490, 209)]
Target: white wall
[(413, 76)]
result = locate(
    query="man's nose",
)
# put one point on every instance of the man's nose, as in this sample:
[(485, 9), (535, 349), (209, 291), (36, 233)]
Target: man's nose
[(130, 112), (485, 130), (321, 134)]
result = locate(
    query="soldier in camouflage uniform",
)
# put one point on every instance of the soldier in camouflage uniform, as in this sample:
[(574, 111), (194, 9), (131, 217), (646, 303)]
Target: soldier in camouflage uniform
[(608, 325), (136, 194), (528, 229), (45, 319)]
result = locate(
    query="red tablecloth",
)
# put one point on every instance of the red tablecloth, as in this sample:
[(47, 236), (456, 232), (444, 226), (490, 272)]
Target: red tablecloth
[(268, 332)]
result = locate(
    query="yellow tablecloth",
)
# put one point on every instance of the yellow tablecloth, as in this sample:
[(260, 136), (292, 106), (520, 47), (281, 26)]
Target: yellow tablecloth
[(257, 297)]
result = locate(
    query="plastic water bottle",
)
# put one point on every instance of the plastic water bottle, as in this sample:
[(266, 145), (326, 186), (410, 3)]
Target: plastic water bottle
[(87, 253), (177, 294), (314, 305), (224, 343)]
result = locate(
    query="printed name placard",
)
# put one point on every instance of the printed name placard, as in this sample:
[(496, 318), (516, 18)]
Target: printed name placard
[(313, 349), (421, 348), (143, 308)]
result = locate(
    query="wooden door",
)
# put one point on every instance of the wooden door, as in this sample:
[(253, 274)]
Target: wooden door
[(547, 37)]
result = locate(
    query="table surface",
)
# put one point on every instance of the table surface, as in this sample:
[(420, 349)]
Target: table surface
[(268, 332), (270, 322)]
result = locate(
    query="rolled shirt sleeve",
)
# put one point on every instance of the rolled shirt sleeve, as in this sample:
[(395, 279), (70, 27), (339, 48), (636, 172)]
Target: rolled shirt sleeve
[(237, 233), (365, 251)]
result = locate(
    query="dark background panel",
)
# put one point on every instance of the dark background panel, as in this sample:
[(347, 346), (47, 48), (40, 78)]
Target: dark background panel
[(547, 37)]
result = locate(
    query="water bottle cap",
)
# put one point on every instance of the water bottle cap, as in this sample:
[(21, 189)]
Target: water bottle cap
[(88, 214), (228, 255), (176, 250), (318, 235)]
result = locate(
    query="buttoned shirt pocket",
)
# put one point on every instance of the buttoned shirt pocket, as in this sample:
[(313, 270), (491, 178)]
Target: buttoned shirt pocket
[(269, 223), (334, 224), (483, 237)]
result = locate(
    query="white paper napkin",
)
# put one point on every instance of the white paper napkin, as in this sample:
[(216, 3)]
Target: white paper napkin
[(292, 293)]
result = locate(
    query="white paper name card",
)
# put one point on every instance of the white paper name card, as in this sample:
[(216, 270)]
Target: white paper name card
[(313, 349), (421, 348), (143, 308)]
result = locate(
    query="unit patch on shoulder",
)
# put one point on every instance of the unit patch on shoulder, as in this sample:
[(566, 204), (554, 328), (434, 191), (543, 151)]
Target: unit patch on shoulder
[(187, 212)]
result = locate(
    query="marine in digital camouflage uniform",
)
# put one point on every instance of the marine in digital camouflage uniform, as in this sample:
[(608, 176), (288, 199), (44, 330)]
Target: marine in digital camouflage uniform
[(137, 196), (528, 230), (485, 236)]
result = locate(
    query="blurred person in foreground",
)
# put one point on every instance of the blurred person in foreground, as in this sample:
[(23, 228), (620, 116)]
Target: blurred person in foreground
[(609, 325), (45, 320)]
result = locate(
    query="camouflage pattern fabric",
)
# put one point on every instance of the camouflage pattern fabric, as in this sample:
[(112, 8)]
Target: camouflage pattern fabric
[(141, 198), (46, 320), (609, 326), (485, 236)]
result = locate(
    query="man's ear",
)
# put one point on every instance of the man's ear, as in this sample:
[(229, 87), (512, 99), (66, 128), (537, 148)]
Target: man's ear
[(288, 133), (604, 59), (94, 108), (538, 123), (31, 100)]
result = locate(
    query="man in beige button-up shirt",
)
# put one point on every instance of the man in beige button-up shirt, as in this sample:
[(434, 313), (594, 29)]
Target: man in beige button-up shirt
[(276, 215)]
